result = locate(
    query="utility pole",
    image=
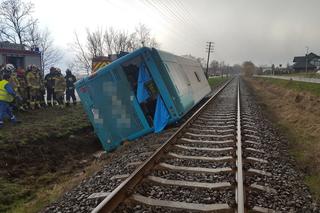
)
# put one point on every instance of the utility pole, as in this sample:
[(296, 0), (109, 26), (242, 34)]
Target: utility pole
[(209, 49), (307, 58)]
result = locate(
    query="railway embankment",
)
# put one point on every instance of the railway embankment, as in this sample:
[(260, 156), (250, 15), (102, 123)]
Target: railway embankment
[(294, 108), (49, 152)]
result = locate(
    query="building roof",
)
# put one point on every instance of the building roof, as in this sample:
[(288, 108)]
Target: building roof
[(18, 52), (303, 58), (16, 49), (8, 45), (302, 65)]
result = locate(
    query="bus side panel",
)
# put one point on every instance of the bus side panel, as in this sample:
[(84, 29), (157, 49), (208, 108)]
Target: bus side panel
[(112, 112), (188, 79), (162, 85), (198, 82), (161, 61)]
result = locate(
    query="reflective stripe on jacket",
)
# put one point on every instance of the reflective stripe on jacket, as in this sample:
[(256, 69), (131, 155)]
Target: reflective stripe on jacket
[(4, 95), (32, 80), (60, 84)]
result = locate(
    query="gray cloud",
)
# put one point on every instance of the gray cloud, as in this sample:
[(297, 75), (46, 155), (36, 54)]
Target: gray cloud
[(265, 32)]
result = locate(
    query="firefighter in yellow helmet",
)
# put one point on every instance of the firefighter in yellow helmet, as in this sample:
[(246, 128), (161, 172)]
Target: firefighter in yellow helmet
[(59, 87), (33, 83)]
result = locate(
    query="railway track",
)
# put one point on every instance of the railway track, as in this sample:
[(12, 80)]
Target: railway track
[(212, 163)]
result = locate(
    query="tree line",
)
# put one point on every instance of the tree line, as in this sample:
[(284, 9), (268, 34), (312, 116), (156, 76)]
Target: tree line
[(18, 26), (103, 42)]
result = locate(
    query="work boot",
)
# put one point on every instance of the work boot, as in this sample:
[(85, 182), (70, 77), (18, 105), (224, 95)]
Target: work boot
[(32, 106), (14, 120), (22, 109), (67, 104)]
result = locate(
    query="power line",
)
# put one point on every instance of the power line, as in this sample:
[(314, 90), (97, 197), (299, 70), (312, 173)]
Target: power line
[(210, 49), (169, 17)]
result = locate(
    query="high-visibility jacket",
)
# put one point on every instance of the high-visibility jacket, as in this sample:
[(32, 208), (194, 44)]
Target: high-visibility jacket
[(32, 80), (14, 82), (60, 84), (4, 94)]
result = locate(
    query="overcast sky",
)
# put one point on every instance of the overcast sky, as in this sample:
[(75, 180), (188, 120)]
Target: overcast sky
[(263, 31)]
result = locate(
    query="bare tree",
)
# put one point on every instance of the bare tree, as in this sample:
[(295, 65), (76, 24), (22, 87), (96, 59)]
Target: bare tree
[(33, 36), (143, 37), (95, 43), (16, 20), (108, 42), (118, 40), (214, 65), (82, 57), (18, 26), (50, 54), (248, 68)]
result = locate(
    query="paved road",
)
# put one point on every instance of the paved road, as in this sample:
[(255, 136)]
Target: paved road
[(294, 78)]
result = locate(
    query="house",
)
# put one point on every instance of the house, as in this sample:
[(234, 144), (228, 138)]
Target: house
[(18, 56), (310, 61)]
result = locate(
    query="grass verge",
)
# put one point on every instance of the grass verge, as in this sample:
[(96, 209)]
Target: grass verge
[(295, 112), (47, 194), (304, 75), (297, 86), (40, 157), (216, 81)]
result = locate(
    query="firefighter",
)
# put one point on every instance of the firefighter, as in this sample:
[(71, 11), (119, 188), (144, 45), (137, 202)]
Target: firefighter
[(59, 87), (1, 71), (7, 96), (23, 89), (42, 90), (15, 83), (33, 83), (49, 81), (70, 80)]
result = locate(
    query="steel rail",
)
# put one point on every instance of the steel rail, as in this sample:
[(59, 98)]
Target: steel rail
[(240, 195), (126, 188)]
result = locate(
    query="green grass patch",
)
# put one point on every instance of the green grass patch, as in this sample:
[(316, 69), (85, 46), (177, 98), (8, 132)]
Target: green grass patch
[(313, 88), (11, 193), (44, 123), (304, 75), (297, 121), (313, 182), (216, 81), (34, 143)]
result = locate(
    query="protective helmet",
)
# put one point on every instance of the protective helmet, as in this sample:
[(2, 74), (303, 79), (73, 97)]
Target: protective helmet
[(29, 67), (10, 67), (34, 67)]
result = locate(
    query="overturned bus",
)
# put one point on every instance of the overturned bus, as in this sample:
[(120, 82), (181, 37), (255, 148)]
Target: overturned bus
[(140, 93)]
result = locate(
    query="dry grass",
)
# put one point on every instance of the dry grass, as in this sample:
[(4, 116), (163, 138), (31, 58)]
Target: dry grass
[(297, 114), (51, 193), (40, 157)]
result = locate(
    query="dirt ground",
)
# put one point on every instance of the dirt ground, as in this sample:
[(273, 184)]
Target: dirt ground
[(297, 115), (50, 147)]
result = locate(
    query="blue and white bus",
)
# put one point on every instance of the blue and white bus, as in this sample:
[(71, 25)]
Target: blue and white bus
[(139, 93)]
